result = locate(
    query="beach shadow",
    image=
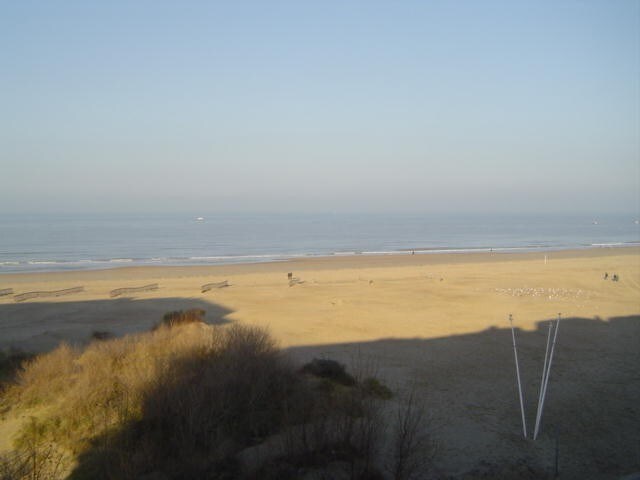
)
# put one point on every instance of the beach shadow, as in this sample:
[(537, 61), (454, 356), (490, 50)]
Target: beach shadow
[(41, 326), (468, 382), (591, 422)]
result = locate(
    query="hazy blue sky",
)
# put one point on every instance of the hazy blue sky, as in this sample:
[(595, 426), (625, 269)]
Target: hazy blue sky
[(320, 106)]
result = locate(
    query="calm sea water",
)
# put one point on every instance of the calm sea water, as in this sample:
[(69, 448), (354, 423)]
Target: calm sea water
[(54, 242)]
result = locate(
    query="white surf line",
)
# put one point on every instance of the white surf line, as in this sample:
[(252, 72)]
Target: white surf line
[(515, 352)]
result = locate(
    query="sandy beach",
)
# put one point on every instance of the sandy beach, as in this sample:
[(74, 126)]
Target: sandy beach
[(438, 322), (340, 299)]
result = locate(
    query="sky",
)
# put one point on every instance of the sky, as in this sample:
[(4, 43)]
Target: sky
[(331, 106)]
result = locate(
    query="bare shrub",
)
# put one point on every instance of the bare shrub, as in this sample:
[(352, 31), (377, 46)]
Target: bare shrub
[(412, 448), (35, 457), (234, 392), (364, 434), (334, 429)]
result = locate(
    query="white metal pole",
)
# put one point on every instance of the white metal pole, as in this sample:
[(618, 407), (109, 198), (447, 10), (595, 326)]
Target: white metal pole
[(546, 382), (555, 335), (515, 353), (544, 375)]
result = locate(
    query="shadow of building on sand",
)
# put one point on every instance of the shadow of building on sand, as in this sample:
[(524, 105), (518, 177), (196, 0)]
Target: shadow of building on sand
[(468, 383), (41, 326)]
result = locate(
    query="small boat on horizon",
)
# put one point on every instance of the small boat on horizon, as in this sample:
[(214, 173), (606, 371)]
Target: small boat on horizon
[(199, 219)]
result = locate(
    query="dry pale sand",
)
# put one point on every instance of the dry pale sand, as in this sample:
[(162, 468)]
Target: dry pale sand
[(343, 299), (439, 322)]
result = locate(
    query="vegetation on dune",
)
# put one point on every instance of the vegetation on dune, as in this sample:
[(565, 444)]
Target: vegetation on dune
[(180, 317), (330, 370), (189, 400), (10, 364)]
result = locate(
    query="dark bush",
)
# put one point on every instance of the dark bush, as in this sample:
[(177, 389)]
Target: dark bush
[(10, 363), (374, 387), (179, 317), (101, 335), (329, 369)]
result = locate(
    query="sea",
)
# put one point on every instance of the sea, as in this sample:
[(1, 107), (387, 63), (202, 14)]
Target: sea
[(39, 243)]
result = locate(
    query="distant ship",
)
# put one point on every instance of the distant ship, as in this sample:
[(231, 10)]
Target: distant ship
[(200, 219)]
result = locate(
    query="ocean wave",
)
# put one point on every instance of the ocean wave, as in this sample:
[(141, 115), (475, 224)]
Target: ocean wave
[(43, 264), (616, 244), (387, 252), (229, 257)]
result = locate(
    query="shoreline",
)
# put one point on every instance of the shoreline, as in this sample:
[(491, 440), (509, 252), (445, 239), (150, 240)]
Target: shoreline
[(355, 260), (333, 300)]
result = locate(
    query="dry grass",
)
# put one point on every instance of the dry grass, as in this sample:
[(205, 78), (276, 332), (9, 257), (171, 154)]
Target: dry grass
[(88, 393), (45, 376), (183, 401)]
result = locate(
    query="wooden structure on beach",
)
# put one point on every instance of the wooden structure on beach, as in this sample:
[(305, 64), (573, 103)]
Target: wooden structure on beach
[(295, 281), (124, 291), (210, 286), (54, 293)]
